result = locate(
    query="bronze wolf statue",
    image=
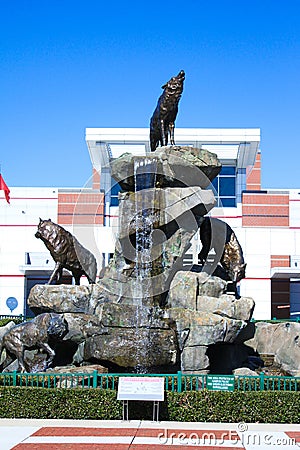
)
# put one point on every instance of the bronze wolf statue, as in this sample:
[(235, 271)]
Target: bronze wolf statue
[(163, 119), (67, 253), (218, 235), (31, 335)]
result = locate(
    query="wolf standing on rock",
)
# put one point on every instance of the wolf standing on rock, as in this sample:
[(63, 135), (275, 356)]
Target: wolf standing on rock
[(67, 253), (218, 235), (163, 119)]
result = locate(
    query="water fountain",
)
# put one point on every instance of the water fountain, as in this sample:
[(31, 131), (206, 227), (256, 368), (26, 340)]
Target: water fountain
[(149, 312)]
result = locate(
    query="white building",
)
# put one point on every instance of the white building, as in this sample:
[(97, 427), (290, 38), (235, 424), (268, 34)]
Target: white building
[(266, 221)]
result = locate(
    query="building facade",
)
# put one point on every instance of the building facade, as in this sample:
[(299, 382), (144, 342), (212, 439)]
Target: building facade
[(266, 221)]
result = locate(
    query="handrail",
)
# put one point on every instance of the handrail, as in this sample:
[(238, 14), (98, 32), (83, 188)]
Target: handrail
[(179, 382)]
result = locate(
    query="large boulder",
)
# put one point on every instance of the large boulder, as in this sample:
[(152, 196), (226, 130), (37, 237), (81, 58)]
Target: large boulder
[(133, 348), (197, 331), (162, 207), (202, 292), (281, 340), (227, 306), (187, 286), (204, 315), (63, 298), (130, 336), (175, 166)]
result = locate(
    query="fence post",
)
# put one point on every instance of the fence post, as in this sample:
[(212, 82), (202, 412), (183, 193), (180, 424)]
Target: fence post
[(95, 378), (14, 378), (179, 381), (262, 381)]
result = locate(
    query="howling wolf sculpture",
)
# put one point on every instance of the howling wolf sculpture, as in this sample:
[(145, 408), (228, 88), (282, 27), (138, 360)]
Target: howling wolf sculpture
[(162, 122), (67, 253)]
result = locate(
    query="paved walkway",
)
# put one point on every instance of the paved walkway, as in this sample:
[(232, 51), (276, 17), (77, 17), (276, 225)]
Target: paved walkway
[(20, 434)]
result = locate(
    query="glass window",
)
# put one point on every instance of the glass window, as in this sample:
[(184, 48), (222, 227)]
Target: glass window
[(114, 201), (227, 202), (114, 191), (215, 183), (115, 188), (227, 170), (225, 187)]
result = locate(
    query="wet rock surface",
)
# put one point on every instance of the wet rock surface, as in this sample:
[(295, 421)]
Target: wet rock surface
[(125, 335), (177, 166)]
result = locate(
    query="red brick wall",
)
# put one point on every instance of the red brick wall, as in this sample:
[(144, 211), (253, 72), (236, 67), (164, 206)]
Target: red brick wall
[(80, 208), (280, 261), (253, 181), (265, 210)]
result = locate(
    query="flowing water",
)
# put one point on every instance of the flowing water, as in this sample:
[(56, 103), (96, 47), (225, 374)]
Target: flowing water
[(145, 179)]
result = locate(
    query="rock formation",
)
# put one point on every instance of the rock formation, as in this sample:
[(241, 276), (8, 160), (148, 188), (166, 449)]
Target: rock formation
[(149, 312), (280, 340)]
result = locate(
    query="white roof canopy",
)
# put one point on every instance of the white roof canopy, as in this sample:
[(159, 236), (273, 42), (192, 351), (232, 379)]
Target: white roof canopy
[(232, 145)]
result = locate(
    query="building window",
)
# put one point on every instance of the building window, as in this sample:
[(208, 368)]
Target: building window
[(225, 187), (114, 192)]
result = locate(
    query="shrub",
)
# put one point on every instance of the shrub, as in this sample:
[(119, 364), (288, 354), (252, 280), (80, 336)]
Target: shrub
[(41, 403), (6, 320), (200, 406)]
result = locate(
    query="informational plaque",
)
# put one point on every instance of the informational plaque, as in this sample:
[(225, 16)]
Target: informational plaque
[(141, 388), (220, 382)]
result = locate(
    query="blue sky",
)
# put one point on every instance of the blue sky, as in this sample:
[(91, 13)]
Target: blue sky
[(67, 65)]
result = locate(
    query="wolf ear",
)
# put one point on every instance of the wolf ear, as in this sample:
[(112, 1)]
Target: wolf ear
[(164, 86), (40, 220)]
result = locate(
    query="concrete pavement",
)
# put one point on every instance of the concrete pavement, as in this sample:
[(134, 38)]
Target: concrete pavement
[(31, 434)]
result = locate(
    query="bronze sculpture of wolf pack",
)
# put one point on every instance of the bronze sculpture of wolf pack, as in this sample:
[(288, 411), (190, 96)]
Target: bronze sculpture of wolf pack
[(67, 252), (162, 122)]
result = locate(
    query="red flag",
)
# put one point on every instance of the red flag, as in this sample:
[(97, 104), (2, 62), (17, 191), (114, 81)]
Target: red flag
[(4, 187)]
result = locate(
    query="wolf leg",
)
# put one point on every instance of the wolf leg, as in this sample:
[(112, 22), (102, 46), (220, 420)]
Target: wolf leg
[(20, 357), (77, 276), (55, 274), (171, 131), (48, 349), (163, 134)]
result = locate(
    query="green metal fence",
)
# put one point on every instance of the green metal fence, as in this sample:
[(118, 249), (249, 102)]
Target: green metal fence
[(178, 382)]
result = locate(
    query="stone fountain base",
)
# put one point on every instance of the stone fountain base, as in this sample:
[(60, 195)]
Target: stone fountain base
[(198, 314)]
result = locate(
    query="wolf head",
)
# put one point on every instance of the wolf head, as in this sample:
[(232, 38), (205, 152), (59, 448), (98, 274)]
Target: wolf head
[(175, 84), (57, 326), (237, 272), (45, 229)]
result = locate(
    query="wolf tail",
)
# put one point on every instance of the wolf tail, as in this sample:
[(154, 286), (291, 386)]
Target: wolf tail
[(91, 270), (2, 354)]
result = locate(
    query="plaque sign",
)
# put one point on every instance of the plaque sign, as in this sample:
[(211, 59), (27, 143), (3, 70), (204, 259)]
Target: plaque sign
[(141, 388), (220, 382)]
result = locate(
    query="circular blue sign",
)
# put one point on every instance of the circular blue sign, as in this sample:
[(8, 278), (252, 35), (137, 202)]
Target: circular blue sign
[(11, 303)]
